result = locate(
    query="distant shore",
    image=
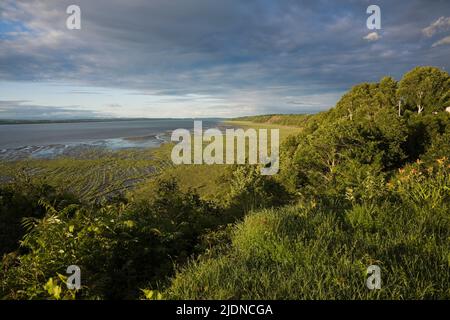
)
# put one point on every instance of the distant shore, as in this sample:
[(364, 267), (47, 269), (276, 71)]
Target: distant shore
[(43, 121)]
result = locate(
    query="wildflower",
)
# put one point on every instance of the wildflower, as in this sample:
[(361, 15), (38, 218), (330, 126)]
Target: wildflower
[(442, 160)]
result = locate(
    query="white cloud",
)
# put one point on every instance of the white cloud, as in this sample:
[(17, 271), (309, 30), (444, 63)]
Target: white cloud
[(443, 41), (441, 24), (373, 36), (177, 63), (24, 109)]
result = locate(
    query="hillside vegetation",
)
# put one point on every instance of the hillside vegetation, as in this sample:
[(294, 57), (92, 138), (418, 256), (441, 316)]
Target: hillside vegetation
[(294, 120), (367, 182)]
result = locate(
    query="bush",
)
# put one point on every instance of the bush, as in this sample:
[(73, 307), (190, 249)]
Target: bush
[(303, 252), (119, 248), (20, 199)]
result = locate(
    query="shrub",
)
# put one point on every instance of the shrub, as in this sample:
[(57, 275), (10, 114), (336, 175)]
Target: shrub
[(302, 252), (119, 248)]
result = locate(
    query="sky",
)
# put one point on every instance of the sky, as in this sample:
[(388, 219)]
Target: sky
[(206, 58)]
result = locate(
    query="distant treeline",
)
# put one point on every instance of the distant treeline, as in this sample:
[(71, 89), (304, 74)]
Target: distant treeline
[(38, 121), (296, 120)]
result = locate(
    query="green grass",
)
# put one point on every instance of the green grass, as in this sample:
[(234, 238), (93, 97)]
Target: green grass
[(206, 179), (92, 176), (295, 253), (285, 130), (292, 120), (97, 175), (315, 251)]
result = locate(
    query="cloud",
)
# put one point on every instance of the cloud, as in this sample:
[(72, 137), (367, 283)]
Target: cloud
[(84, 92), (22, 109), (373, 36), (441, 24), (203, 56), (114, 106), (443, 41)]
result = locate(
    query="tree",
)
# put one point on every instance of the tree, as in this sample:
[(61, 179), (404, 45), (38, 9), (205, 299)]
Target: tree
[(387, 92), (425, 89)]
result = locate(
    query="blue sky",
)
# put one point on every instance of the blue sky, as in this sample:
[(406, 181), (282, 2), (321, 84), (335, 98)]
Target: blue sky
[(206, 58)]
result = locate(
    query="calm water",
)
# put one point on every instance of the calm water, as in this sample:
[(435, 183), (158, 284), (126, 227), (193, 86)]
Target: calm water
[(52, 139)]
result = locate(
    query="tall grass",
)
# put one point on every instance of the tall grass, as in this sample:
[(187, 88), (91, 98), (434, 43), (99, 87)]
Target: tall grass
[(314, 252)]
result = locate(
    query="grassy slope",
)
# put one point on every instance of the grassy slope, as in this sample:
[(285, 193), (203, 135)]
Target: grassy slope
[(285, 130), (206, 179), (293, 120), (311, 252), (306, 251)]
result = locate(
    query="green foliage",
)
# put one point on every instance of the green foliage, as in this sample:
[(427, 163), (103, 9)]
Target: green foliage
[(308, 252), (367, 182), (364, 198), (426, 88), (428, 134), (93, 176), (297, 120), (250, 190), (321, 158), (20, 199), (119, 248)]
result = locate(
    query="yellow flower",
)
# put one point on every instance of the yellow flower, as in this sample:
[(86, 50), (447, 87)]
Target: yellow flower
[(442, 160)]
